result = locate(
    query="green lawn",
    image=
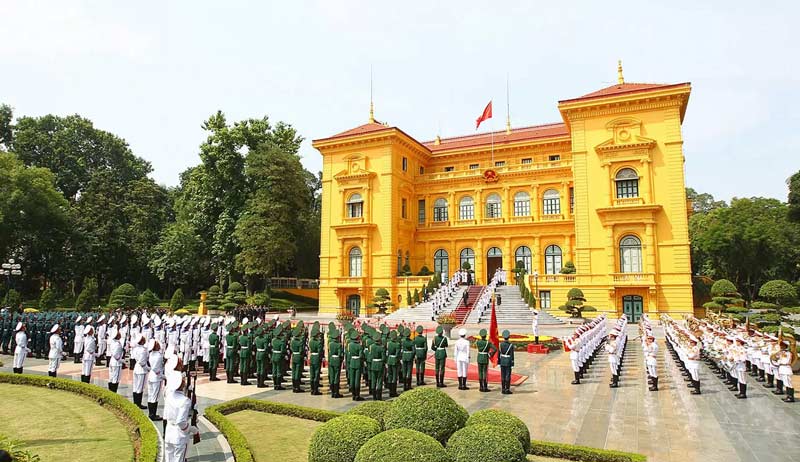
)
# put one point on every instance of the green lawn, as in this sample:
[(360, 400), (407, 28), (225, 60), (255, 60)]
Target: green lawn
[(287, 442), (58, 425)]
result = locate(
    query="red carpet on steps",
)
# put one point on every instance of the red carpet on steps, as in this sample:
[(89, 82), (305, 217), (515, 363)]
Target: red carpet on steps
[(451, 373)]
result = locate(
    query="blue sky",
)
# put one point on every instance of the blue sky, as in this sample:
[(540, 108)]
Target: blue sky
[(151, 72)]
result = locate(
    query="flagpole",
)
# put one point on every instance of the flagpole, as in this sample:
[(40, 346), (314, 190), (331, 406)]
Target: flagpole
[(491, 129)]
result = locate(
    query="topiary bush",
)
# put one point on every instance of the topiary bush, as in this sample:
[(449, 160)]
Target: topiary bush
[(339, 439), (374, 409), (48, 300), (124, 296), (505, 420), (148, 299), (426, 410), (177, 301), (486, 443), (402, 445)]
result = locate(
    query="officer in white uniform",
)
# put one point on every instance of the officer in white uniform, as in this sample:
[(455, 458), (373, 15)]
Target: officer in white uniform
[(89, 353), (535, 326), (140, 368), (177, 410), (651, 359), (21, 350), (101, 339), (154, 378), (56, 348), (77, 344), (115, 359), (785, 371), (461, 354), (693, 364)]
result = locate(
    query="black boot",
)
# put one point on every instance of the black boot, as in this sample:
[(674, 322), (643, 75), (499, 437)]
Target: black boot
[(778, 387), (734, 387), (133, 363), (577, 380), (260, 381), (213, 375), (465, 384), (789, 395), (153, 408), (51, 373), (357, 395), (315, 388), (110, 386), (85, 378), (654, 387), (614, 381), (137, 400), (769, 383), (696, 390), (742, 391)]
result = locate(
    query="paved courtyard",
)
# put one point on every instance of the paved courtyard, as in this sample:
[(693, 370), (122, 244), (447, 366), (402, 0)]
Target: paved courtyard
[(668, 425)]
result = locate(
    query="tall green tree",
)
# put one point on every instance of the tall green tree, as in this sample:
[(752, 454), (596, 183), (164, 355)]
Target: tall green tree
[(6, 127), (794, 197), (749, 243), (178, 257), (703, 202)]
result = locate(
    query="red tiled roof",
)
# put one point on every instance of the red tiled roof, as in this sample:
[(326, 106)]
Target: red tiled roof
[(500, 137), (360, 130), (623, 88)]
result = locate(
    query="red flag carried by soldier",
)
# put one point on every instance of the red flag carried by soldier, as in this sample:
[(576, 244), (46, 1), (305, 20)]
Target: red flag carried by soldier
[(494, 335), (487, 114)]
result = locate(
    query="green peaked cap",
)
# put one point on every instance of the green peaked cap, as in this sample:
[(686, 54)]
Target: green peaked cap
[(506, 334), (420, 329), (439, 330)]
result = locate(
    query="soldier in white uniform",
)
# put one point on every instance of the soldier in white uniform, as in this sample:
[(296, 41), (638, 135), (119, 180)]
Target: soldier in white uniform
[(140, 368), (535, 327), (101, 339), (205, 346), (613, 359), (21, 350), (77, 344), (154, 378), (89, 353), (133, 333), (693, 364), (461, 354), (785, 371), (739, 357), (651, 359), (177, 410), (56, 349), (115, 360)]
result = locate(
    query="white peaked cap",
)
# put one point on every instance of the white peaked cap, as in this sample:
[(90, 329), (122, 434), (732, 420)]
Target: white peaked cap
[(88, 331), (462, 332), (134, 318), (89, 320), (78, 319), (151, 344), (54, 328), (174, 379), (145, 318), (170, 351), (245, 320), (19, 326), (172, 363), (101, 318)]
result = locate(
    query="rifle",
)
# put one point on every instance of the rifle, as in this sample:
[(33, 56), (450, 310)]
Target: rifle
[(192, 385)]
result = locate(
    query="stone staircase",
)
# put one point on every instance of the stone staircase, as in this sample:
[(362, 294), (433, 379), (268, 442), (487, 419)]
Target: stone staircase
[(463, 310), (512, 310), (424, 311)]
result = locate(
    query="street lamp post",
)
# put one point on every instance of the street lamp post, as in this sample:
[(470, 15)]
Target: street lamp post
[(10, 268), (536, 281)]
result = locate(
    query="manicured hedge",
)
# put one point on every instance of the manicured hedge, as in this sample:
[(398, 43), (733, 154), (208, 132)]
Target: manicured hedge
[(505, 420), (339, 439), (140, 429), (426, 410), (486, 443), (582, 453), (375, 409), (402, 445)]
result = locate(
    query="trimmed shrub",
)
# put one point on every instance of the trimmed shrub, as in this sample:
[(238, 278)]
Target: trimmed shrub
[(259, 299), (762, 320), (736, 309), (569, 268), (402, 445), (140, 429), (487, 443), (48, 300), (177, 300), (763, 306), (505, 420), (724, 288), (12, 299), (424, 271), (778, 291), (426, 410), (339, 439), (582, 453), (124, 296), (88, 297), (374, 409), (213, 297), (236, 294), (148, 299)]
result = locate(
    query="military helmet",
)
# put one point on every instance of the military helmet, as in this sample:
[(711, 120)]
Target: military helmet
[(506, 334), (482, 333), (420, 329)]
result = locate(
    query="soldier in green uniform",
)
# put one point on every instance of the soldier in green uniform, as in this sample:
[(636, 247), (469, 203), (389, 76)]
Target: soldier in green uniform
[(230, 353), (420, 355), (261, 358), (355, 351), (297, 348), (486, 350), (334, 360), (392, 363), (316, 350), (378, 358), (278, 352), (408, 354), (244, 355), (366, 365), (439, 347), (506, 362), (213, 353)]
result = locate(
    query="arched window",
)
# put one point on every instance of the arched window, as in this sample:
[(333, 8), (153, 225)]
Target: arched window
[(630, 255), (494, 252), (552, 259), (466, 208), (467, 255), (355, 262), (522, 204), (627, 183), (440, 210), (355, 206), (524, 255), (408, 258), (493, 208), (441, 262), (551, 203)]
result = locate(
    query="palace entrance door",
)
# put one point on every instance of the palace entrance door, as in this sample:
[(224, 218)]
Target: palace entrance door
[(354, 305), (494, 260), (632, 306)]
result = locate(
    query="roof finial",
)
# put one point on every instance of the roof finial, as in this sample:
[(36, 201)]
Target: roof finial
[(508, 109), (620, 78), (371, 106)]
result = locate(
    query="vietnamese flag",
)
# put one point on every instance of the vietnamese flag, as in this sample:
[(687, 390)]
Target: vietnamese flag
[(494, 335), (487, 114)]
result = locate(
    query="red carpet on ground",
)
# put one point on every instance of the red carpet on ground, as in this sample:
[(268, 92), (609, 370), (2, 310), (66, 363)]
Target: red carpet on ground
[(451, 372)]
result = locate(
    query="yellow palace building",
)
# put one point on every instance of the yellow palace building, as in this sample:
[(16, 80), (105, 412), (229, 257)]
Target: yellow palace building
[(604, 188)]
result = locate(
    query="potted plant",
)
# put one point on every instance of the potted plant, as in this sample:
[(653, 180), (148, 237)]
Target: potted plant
[(447, 321)]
